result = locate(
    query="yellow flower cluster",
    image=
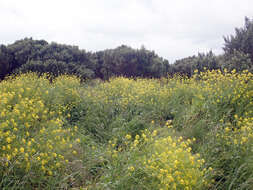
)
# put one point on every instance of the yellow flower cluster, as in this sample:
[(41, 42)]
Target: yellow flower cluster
[(167, 162), (124, 93), (212, 87), (224, 87), (240, 135), (32, 132)]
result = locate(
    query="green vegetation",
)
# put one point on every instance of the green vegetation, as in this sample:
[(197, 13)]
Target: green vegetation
[(168, 133), (37, 139), (30, 55)]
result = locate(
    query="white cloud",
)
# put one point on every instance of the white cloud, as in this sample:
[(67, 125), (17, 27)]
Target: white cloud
[(174, 29)]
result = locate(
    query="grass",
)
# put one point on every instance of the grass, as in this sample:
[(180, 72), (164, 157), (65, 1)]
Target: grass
[(171, 133)]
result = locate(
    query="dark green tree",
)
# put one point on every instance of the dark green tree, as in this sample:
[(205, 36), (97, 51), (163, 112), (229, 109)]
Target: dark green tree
[(129, 62), (201, 62), (236, 60), (40, 56), (6, 60), (241, 42)]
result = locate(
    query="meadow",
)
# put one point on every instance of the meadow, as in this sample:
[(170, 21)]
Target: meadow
[(127, 133)]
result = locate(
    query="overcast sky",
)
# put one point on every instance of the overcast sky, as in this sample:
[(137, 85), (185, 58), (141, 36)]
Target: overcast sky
[(173, 29)]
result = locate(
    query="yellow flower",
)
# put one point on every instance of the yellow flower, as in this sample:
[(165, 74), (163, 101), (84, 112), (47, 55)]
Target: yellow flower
[(128, 137), (22, 150), (137, 137), (8, 157), (154, 133), (29, 143), (8, 140), (131, 168)]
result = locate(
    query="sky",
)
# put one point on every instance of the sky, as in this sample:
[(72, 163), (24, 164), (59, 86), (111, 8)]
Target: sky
[(173, 29)]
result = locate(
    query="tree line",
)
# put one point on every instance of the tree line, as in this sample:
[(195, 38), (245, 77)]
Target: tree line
[(42, 57)]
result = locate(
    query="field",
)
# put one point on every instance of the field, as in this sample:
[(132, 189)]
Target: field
[(169, 133)]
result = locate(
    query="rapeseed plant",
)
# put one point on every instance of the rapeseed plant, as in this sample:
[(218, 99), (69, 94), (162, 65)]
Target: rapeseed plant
[(171, 133), (157, 162), (34, 136)]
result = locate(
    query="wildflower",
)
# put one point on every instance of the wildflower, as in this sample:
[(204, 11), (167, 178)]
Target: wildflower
[(128, 137), (50, 172), (8, 140), (131, 168), (22, 150)]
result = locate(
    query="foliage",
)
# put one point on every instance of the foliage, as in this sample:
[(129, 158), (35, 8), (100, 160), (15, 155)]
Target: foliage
[(5, 61), (128, 62), (147, 162), (242, 41), (128, 133), (237, 60), (202, 62), (37, 141), (200, 107), (39, 56), (56, 68)]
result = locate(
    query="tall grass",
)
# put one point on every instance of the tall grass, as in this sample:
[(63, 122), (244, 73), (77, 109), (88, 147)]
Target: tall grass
[(181, 133)]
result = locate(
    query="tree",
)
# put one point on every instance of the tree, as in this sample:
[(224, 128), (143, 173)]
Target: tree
[(241, 42), (39, 56), (6, 60), (129, 62), (236, 60), (201, 62)]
